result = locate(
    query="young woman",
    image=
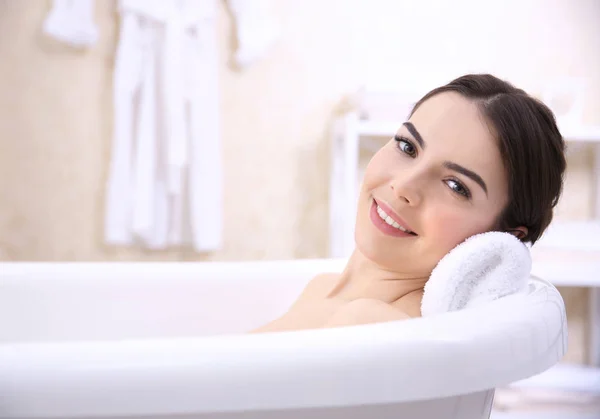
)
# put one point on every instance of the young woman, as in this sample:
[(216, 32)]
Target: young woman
[(475, 155)]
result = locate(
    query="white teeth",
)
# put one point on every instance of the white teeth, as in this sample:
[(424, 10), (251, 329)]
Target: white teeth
[(389, 220)]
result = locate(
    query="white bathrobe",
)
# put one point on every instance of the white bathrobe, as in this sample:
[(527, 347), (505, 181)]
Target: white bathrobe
[(165, 179)]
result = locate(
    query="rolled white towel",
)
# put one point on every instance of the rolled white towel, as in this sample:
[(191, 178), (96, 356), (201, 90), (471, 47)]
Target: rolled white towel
[(481, 269)]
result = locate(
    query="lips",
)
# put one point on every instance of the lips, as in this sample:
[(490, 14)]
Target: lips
[(389, 226), (398, 222)]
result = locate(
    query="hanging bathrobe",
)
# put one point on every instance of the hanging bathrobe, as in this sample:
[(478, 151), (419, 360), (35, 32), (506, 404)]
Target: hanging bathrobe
[(165, 181), (164, 185)]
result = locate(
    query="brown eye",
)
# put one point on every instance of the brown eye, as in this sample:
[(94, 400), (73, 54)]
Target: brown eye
[(458, 188), (406, 146)]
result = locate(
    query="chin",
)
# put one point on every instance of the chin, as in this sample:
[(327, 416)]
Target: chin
[(380, 251), (406, 257)]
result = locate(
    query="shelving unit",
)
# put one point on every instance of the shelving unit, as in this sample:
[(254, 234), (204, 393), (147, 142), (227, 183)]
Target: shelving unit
[(373, 129), (567, 255)]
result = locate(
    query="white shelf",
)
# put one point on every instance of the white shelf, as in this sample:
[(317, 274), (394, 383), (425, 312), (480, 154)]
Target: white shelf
[(576, 387), (568, 377), (584, 134), (561, 273), (572, 235), (370, 128), (568, 254)]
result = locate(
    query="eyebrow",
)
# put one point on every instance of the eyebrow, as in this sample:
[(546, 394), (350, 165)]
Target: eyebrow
[(411, 128), (470, 174), (448, 164)]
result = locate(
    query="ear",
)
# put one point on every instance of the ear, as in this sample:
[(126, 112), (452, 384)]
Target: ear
[(519, 232)]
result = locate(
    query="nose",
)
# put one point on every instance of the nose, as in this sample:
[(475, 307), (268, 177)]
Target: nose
[(405, 188)]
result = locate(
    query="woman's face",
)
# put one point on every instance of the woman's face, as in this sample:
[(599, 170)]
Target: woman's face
[(442, 178)]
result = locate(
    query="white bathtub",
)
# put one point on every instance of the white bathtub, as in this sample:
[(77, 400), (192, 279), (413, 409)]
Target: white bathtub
[(156, 340)]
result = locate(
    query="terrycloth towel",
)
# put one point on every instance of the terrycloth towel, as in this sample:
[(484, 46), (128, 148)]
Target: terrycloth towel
[(481, 269), (72, 22)]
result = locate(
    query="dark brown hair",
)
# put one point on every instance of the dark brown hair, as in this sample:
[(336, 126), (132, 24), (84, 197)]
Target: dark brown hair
[(531, 146)]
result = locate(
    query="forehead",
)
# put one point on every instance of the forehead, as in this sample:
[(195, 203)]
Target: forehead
[(450, 122), (454, 130), (451, 117)]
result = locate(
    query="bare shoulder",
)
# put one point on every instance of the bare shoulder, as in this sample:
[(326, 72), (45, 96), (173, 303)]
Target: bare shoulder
[(411, 303), (320, 285), (306, 312), (365, 311)]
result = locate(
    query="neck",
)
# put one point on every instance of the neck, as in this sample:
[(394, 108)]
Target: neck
[(364, 278)]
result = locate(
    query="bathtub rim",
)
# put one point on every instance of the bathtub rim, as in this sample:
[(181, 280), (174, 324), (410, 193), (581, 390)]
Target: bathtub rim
[(20, 371)]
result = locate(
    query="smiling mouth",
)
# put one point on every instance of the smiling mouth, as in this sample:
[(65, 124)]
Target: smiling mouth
[(390, 221)]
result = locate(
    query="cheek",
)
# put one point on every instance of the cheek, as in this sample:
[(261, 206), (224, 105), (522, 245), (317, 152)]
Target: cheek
[(447, 228), (378, 167)]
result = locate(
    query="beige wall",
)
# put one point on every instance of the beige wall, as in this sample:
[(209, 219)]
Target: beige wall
[(55, 121)]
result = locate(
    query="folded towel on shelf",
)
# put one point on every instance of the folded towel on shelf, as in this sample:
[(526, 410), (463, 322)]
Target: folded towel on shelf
[(481, 269)]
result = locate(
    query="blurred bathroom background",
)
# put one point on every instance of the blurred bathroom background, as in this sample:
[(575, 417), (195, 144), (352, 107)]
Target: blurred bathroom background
[(278, 111)]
